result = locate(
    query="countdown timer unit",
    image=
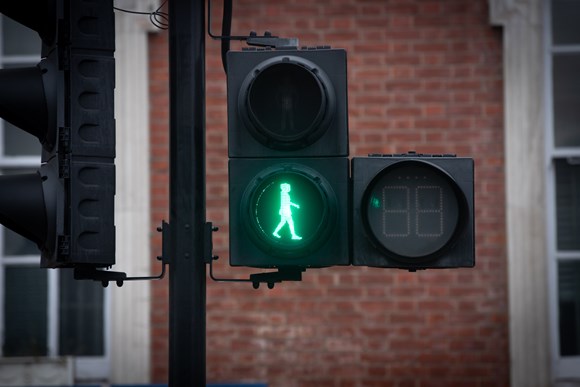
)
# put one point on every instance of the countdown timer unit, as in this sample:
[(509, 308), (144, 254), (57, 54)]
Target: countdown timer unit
[(413, 211), (289, 212)]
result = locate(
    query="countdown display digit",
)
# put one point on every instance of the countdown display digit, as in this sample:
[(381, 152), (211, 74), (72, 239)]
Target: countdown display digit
[(413, 212)]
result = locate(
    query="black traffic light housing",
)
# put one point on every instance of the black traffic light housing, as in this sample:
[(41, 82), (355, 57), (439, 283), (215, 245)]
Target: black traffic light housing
[(413, 211), (66, 101), (288, 148)]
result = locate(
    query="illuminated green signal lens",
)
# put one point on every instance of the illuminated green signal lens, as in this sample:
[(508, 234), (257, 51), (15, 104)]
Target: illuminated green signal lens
[(288, 210)]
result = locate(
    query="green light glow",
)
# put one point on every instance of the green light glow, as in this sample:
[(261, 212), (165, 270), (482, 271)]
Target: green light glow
[(285, 212), (288, 210)]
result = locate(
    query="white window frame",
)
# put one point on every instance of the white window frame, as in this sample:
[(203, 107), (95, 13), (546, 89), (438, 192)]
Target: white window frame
[(86, 368), (563, 368)]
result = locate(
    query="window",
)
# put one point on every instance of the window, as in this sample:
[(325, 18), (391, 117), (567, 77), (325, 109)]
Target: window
[(43, 312), (563, 155)]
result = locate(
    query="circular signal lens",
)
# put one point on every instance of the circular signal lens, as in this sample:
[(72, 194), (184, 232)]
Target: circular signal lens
[(289, 209), (413, 211)]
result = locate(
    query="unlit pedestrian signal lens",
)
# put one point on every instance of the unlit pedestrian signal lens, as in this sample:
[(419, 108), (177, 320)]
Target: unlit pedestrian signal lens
[(285, 104)]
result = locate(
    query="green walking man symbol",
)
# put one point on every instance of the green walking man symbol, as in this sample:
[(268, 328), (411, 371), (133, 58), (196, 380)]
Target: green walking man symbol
[(286, 212)]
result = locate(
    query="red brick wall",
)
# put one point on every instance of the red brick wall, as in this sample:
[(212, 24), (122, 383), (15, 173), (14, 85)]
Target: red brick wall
[(159, 160), (423, 75)]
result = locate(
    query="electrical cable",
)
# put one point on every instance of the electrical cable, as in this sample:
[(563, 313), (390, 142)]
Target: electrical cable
[(217, 37), (158, 18), (226, 31)]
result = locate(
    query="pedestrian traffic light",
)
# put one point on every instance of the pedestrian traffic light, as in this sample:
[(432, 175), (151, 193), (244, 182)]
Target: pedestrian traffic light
[(413, 211), (66, 101), (288, 148)]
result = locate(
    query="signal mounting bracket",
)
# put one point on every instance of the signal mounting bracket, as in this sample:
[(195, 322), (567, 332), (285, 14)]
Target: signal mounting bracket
[(269, 40), (269, 278), (272, 278), (106, 276)]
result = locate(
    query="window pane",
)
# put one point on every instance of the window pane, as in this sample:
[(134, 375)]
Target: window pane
[(569, 307), (566, 99), (25, 312), (18, 39), (14, 244), (568, 204), (565, 26), (19, 143), (81, 316)]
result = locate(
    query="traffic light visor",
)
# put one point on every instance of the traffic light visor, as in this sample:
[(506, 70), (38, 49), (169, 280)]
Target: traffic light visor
[(28, 98), (22, 206), (39, 16)]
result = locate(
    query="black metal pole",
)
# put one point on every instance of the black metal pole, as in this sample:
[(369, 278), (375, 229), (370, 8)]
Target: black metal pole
[(187, 276)]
